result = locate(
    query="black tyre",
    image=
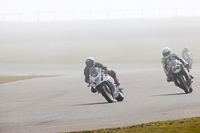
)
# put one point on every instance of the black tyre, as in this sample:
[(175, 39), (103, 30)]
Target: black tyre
[(191, 90), (106, 92), (184, 85), (120, 96)]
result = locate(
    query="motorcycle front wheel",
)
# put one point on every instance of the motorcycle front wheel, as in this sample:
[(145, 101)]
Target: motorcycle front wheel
[(106, 92), (184, 85)]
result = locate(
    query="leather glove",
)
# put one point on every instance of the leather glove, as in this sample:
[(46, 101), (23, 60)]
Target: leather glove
[(107, 71), (90, 81), (186, 65)]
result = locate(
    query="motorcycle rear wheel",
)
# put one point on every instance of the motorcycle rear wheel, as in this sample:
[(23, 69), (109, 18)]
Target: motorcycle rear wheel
[(120, 96)]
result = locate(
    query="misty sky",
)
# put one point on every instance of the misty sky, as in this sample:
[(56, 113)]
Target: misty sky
[(27, 6)]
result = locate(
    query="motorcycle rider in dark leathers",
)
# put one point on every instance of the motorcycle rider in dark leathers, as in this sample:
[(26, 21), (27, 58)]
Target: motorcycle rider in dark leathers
[(90, 63), (167, 57)]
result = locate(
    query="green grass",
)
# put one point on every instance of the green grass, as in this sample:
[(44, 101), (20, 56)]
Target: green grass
[(190, 125), (6, 79)]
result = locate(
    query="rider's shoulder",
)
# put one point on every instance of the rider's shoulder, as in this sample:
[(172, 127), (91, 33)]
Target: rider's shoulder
[(163, 59), (86, 68), (97, 64), (174, 54)]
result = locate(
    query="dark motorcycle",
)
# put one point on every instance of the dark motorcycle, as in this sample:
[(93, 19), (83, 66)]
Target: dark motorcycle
[(180, 76)]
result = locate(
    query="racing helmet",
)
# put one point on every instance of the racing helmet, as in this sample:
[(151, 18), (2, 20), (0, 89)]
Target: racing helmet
[(186, 49), (166, 52), (90, 62)]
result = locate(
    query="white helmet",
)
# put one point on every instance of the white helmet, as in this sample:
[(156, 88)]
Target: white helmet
[(90, 62), (166, 52)]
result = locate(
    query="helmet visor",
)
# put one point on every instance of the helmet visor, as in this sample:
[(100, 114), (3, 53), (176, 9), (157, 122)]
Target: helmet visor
[(94, 72), (166, 53), (90, 64)]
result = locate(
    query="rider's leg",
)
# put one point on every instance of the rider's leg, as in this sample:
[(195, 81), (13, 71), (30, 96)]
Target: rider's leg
[(113, 75)]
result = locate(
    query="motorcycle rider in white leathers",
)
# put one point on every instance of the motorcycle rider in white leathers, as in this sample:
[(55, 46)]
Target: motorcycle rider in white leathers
[(167, 57)]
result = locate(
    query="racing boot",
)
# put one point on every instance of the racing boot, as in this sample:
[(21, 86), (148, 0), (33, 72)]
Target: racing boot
[(93, 90), (120, 88), (169, 79), (117, 83)]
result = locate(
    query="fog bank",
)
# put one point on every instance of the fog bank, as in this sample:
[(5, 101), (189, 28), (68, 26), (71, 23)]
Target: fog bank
[(111, 41)]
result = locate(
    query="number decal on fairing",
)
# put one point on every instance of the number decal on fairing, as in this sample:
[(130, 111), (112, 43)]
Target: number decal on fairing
[(176, 69), (97, 79)]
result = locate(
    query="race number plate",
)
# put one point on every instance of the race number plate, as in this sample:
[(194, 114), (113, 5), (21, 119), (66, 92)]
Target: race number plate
[(176, 69)]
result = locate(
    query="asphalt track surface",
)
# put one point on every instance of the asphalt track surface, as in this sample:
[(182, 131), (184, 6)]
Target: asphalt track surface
[(65, 103)]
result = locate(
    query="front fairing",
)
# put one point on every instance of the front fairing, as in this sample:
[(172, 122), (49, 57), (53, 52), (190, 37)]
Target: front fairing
[(175, 66), (97, 76)]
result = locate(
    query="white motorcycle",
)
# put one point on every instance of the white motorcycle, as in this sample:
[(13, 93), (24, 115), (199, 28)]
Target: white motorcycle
[(104, 84)]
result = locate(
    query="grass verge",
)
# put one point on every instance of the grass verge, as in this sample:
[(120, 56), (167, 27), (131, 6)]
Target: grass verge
[(190, 125), (6, 79)]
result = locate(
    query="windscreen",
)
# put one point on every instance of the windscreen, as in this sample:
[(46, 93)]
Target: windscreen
[(174, 63), (94, 72)]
